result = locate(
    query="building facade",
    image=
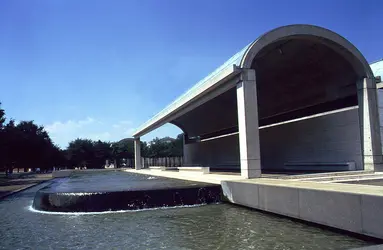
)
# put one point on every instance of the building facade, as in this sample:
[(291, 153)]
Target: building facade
[(299, 98)]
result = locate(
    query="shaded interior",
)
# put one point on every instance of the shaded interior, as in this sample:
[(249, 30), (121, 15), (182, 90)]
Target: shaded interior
[(296, 77)]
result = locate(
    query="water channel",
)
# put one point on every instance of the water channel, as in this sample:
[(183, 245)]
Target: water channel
[(213, 226)]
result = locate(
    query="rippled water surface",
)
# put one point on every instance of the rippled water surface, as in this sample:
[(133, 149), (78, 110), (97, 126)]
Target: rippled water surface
[(220, 226)]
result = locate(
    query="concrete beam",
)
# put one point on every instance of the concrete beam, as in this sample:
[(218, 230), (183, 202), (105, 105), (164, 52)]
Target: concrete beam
[(214, 87)]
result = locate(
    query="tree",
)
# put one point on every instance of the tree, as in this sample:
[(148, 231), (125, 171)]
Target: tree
[(9, 143), (3, 154), (34, 146), (178, 146), (2, 117), (123, 149), (102, 152), (27, 145), (165, 147), (80, 153)]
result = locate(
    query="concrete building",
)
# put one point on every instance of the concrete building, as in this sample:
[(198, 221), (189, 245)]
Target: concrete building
[(300, 97), (377, 69)]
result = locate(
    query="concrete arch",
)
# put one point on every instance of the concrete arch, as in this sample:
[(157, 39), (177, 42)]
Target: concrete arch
[(178, 125), (291, 79), (324, 36)]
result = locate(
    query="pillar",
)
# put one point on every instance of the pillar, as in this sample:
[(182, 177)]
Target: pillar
[(247, 105), (137, 153), (369, 125), (185, 160)]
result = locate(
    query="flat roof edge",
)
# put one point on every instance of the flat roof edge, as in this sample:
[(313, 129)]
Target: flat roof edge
[(180, 103)]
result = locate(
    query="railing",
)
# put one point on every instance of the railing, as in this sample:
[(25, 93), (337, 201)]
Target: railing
[(162, 161)]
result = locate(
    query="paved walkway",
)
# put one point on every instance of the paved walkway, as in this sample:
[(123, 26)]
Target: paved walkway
[(10, 185), (338, 187), (191, 176), (267, 179)]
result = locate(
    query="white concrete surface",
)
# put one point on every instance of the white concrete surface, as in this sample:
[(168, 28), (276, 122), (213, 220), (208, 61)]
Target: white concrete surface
[(187, 175), (202, 170), (370, 125), (350, 207), (247, 104)]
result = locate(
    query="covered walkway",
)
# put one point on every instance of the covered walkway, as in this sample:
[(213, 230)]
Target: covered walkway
[(299, 97)]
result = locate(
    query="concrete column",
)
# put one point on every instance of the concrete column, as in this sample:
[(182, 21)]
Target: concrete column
[(369, 125), (185, 149), (247, 105), (137, 153)]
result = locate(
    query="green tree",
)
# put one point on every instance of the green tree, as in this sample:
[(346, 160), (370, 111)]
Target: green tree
[(80, 153), (26, 145), (9, 143), (3, 154), (2, 117), (33, 145), (178, 146), (102, 151), (165, 147), (123, 149)]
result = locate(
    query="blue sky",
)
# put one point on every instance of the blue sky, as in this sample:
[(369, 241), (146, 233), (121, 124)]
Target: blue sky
[(99, 69)]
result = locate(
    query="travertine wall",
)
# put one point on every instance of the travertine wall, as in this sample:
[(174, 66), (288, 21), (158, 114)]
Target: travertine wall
[(329, 138), (218, 153)]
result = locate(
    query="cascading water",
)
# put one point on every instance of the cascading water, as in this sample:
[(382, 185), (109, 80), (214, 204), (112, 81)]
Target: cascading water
[(89, 193)]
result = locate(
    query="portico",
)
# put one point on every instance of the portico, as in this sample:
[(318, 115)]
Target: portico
[(299, 97)]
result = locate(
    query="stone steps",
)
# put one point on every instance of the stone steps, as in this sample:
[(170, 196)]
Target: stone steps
[(327, 174), (342, 178)]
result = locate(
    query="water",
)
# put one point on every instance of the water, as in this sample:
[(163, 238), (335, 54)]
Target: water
[(98, 191), (115, 180), (220, 226)]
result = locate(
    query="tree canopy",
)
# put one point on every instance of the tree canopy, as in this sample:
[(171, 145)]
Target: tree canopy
[(28, 145)]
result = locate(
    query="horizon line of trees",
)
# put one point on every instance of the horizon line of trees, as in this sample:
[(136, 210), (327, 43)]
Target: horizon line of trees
[(26, 145)]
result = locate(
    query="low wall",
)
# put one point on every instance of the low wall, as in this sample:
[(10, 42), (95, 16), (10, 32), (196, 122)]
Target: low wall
[(326, 204), (62, 173)]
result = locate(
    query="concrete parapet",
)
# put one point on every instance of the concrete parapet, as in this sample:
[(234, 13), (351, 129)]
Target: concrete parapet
[(202, 170), (333, 205), (62, 173)]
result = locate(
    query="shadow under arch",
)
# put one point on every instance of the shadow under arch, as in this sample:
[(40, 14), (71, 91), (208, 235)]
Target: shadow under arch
[(321, 35)]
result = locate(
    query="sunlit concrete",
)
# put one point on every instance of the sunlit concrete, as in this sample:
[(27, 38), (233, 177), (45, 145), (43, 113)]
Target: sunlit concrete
[(248, 127), (229, 118), (187, 175), (137, 154), (370, 125), (350, 207)]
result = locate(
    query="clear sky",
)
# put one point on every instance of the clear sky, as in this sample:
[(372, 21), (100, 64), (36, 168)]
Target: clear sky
[(99, 69)]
